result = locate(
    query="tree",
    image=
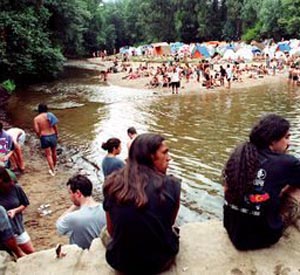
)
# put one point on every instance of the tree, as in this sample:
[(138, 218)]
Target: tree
[(289, 19), (26, 52), (233, 24), (269, 14)]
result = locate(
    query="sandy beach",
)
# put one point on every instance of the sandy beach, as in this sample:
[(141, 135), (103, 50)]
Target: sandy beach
[(43, 189)]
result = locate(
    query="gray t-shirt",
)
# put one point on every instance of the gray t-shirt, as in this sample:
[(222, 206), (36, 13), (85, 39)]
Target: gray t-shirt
[(83, 225), (13, 199)]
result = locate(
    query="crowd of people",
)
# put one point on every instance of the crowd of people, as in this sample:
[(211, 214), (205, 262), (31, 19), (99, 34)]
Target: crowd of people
[(136, 220), (208, 74)]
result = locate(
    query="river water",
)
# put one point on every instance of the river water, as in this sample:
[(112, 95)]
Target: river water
[(201, 128)]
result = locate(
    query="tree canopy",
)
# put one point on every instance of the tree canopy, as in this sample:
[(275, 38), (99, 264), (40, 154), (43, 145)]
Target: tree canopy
[(37, 35)]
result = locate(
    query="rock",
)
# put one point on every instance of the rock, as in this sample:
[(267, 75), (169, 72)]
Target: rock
[(204, 249)]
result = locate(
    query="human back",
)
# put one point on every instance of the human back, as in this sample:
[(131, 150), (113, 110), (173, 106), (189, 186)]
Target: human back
[(142, 203), (255, 175), (44, 126)]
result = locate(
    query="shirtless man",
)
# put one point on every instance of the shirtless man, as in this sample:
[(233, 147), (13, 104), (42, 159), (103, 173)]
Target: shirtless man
[(132, 133), (45, 126)]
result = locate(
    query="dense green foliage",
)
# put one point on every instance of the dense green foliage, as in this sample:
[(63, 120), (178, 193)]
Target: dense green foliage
[(37, 35)]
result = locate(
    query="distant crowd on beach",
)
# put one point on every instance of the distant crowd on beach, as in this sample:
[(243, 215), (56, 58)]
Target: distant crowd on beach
[(210, 74)]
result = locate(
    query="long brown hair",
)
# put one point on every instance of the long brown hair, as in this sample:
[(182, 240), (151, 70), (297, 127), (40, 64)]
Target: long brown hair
[(129, 183)]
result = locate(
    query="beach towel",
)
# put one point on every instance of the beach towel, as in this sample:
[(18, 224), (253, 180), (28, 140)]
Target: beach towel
[(52, 119)]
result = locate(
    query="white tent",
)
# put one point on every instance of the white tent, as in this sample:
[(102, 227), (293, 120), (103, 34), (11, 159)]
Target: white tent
[(245, 54), (295, 51), (229, 55)]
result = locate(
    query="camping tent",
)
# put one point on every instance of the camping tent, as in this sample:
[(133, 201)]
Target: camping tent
[(244, 53), (162, 48), (200, 51)]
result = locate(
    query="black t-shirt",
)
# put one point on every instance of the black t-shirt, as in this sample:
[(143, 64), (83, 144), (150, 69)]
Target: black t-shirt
[(143, 240), (13, 199), (248, 231)]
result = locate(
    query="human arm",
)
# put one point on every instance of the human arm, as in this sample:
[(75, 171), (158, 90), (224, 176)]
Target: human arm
[(55, 129), (7, 236), (12, 212), (64, 222), (176, 193), (36, 127)]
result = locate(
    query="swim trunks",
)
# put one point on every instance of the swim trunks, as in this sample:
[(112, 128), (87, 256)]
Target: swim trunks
[(48, 141)]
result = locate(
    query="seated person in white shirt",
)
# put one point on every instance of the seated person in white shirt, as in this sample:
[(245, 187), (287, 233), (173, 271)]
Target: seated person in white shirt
[(84, 220)]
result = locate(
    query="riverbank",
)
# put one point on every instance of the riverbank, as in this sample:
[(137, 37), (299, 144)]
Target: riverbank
[(43, 189)]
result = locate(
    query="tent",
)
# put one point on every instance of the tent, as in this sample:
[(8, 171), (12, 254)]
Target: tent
[(244, 53), (229, 55), (162, 48), (200, 51), (295, 51), (283, 47), (175, 47)]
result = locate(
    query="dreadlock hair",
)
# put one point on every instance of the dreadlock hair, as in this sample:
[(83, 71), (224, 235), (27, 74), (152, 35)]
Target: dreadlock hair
[(241, 168), (128, 184)]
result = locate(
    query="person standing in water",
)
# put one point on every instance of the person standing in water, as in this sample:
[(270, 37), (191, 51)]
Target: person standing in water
[(132, 134), (45, 126), (110, 162)]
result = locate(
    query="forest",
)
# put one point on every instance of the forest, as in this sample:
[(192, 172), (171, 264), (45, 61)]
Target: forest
[(36, 36)]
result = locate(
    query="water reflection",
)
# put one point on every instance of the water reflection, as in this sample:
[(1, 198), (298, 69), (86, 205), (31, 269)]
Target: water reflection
[(201, 128)]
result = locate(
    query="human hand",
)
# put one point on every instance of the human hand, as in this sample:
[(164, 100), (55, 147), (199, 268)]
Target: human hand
[(11, 213)]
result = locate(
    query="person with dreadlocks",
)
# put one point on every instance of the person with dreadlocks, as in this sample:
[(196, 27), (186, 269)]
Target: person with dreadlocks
[(255, 177), (141, 203)]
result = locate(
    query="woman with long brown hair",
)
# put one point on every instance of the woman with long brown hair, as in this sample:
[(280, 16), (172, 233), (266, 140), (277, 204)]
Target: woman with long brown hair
[(141, 204)]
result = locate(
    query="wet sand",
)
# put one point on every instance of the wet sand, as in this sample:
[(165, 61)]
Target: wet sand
[(42, 188)]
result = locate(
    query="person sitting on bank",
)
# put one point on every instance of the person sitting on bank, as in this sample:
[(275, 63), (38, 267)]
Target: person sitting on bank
[(111, 163), (255, 175), (84, 220), (7, 237), (141, 204)]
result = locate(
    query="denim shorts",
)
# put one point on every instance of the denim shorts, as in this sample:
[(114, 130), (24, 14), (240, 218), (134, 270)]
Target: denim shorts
[(48, 141)]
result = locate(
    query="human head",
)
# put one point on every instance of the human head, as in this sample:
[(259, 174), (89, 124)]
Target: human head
[(149, 150), (131, 131), (42, 108), (79, 186), (5, 180), (269, 129), (111, 145)]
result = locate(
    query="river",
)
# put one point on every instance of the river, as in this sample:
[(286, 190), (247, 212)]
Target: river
[(201, 128)]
